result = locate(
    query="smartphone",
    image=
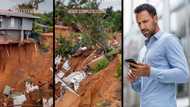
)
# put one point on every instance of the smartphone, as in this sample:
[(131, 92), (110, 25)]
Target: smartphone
[(131, 61)]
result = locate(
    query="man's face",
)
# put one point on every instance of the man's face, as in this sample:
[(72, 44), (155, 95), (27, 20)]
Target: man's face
[(147, 23)]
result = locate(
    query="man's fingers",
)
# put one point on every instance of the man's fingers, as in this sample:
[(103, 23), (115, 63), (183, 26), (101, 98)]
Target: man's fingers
[(134, 70), (131, 76), (133, 65), (141, 64)]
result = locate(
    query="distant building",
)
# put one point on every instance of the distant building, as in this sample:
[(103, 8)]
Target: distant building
[(15, 26)]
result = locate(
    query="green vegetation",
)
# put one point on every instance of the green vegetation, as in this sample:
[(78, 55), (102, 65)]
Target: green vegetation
[(110, 54), (44, 47), (91, 28), (103, 103), (65, 47), (44, 23), (118, 72), (31, 4), (94, 27), (101, 64)]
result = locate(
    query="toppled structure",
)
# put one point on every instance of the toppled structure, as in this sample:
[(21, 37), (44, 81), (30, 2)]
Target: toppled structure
[(97, 90), (75, 78)]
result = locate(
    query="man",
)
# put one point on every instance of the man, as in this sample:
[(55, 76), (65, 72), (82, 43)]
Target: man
[(163, 63)]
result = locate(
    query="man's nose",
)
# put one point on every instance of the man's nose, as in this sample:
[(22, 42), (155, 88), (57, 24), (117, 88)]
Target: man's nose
[(142, 26)]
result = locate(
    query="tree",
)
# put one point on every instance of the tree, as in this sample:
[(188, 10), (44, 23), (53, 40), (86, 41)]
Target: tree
[(32, 4), (93, 26), (93, 4), (35, 3)]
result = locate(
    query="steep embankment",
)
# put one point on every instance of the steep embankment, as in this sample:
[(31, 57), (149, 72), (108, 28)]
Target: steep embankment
[(19, 63), (101, 89)]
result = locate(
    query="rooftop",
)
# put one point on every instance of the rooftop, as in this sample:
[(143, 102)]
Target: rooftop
[(16, 14)]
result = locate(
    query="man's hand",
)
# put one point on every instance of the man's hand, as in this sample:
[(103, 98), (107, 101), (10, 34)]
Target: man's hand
[(137, 70), (131, 76), (140, 69)]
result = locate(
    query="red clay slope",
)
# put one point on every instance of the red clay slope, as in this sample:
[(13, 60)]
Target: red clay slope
[(97, 90)]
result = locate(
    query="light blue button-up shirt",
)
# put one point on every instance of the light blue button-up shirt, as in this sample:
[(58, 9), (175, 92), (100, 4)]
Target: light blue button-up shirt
[(165, 55)]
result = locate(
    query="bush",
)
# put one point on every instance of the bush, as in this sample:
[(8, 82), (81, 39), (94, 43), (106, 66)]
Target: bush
[(44, 47), (103, 103), (118, 72), (65, 47), (110, 54), (101, 64)]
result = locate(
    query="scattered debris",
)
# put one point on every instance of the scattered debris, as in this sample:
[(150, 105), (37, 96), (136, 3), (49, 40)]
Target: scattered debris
[(30, 87), (64, 84), (18, 100), (7, 90), (60, 74), (66, 65), (47, 103), (80, 51), (75, 78), (58, 59)]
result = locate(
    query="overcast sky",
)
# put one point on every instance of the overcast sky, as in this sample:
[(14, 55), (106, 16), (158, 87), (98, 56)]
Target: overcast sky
[(46, 6)]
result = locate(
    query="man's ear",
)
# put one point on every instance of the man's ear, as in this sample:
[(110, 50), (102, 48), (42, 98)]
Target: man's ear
[(156, 18)]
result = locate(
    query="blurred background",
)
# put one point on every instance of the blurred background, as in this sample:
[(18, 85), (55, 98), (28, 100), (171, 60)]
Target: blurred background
[(174, 17)]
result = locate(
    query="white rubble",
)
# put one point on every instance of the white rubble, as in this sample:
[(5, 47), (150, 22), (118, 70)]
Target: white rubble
[(75, 78), (18, 100), (47, 103), (30, 87), (66, 65), (58, 59)]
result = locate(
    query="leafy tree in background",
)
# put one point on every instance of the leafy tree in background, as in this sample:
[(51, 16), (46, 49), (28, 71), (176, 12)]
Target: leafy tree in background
[(32, 4), (65, 47), (94, 27), (35, 3)]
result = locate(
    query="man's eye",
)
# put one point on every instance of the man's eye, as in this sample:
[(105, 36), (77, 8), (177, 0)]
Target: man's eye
[(145, 21)]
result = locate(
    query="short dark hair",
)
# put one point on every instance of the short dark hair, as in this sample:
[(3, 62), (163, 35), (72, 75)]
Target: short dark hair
[(151, 10)]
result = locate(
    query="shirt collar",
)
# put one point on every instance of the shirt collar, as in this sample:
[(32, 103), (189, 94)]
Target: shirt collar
[(156, 36)]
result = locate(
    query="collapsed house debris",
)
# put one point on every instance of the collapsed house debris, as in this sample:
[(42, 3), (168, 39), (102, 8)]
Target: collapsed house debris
[(47, 102), (18, 100), (66, 65), (30, 87), (58, 59), (75, 78), (75, 75), (64, 85), (7, 90)]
